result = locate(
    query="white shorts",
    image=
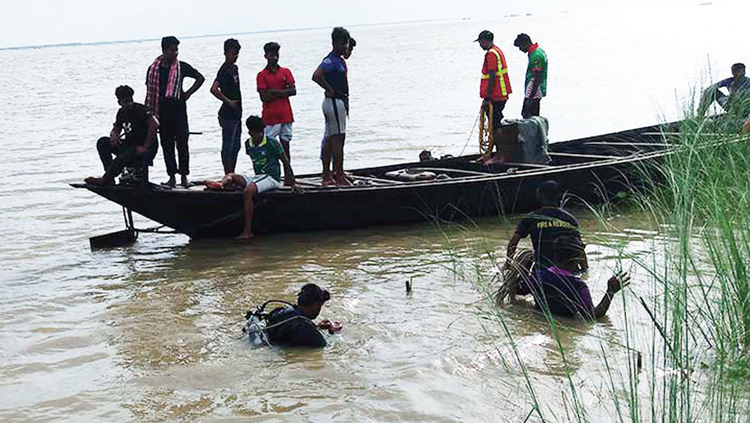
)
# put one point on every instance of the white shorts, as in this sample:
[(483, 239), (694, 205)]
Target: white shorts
[(282, 131), (262, 182), (334, 112)]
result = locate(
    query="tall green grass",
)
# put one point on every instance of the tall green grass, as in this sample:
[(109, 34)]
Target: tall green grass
[(696, 363)]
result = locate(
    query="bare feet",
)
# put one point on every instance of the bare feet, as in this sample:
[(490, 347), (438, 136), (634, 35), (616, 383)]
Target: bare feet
[(342, 181), (92, 180), (328, 180), (246, 236), (495, 159)]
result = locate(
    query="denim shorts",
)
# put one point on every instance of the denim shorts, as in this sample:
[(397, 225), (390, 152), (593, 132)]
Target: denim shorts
[(231, 134)]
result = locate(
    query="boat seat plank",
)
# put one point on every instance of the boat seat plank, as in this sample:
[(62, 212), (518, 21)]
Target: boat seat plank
[(585, 156), (625, 143), (376, 180), (534, 165), (440, 169)]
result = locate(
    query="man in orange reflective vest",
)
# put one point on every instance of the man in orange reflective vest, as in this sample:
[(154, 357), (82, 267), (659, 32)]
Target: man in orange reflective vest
[(495, 86)]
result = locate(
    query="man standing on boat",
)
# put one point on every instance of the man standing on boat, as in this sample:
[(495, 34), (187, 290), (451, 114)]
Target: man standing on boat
[(266, 153), (332, 76), (347, 55), (536, 75), (137, 147), (166, 99), (226, 88), (738, 100), (275, 86), (495, 85)]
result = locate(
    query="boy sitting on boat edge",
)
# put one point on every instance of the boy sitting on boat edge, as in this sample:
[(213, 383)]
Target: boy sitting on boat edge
[(265, 152)]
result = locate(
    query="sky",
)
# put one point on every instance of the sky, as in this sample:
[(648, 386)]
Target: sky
[(45, 22)]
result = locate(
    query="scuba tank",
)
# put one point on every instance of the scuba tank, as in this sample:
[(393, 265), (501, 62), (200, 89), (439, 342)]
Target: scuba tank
[(257, 320)]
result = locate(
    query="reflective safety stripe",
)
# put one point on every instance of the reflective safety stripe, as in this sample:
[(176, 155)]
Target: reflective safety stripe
[(501, 73)]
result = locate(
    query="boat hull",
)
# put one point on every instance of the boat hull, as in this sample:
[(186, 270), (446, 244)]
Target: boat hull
[(201, 214)]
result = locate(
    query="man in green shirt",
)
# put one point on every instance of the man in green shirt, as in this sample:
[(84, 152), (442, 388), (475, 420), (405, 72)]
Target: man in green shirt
[(266, 153), (536, 75)]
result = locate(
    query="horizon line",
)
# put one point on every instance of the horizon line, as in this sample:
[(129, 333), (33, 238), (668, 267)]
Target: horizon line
[(139, 40)]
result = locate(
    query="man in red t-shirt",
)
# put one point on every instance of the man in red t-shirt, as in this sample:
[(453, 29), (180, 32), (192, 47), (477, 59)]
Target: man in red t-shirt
[(495, 85), (275, 86)]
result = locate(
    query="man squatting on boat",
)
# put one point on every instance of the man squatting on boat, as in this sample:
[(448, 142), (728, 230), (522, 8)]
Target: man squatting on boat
[(132, 140)]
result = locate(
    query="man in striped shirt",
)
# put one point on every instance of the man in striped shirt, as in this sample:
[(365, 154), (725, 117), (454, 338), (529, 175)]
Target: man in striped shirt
[(536, 75)]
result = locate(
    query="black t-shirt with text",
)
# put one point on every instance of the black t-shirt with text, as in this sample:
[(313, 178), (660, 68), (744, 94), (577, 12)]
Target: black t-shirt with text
[(545, 226), (133, 119), (228, 78)]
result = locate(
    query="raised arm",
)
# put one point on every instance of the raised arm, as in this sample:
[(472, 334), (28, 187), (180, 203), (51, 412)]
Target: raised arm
[(614, 285), (199, 80)]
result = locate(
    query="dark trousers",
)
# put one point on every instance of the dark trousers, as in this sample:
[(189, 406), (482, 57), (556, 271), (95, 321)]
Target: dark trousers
[(530, 107), (168, 144), (174, 132), (497, 113), (125, 156)]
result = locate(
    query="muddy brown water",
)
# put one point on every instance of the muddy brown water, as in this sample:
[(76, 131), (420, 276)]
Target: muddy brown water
[(151, 332)]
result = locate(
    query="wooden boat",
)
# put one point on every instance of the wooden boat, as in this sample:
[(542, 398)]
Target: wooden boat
[(592, 169)]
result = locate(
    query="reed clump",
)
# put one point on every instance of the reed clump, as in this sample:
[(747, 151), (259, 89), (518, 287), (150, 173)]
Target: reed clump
[(704, 201), (683, 352)]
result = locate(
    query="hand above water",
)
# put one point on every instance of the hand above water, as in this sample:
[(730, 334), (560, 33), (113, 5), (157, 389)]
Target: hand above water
[(617, 282), (332, 327)]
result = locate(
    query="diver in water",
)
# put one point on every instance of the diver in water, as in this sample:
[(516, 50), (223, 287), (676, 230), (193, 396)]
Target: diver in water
[(292, 325)]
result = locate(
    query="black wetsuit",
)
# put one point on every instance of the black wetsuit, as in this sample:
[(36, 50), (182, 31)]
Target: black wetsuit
[(288, 327)]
